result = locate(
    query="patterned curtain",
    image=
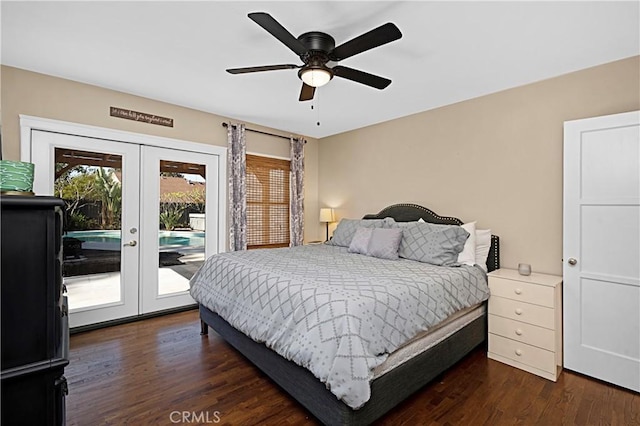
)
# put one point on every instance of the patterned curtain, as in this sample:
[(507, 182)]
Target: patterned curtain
[(296, 221), (237, 166)]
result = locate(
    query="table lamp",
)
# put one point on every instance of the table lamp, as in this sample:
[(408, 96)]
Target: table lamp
[(327, 216)]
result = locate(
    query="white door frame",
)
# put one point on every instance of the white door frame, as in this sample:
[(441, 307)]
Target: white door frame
[(150, 299), (128, 303), (216, 183)]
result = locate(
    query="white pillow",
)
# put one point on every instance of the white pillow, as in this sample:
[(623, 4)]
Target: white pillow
[(483, 245), (468, 254)]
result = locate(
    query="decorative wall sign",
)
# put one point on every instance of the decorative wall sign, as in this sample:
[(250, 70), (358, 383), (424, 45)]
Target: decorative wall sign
[(141, 116)]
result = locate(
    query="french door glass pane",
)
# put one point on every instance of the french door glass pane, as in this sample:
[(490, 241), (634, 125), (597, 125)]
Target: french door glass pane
[(90, 184), (181, 234)]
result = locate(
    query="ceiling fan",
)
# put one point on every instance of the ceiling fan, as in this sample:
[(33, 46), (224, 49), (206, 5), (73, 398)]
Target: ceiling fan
[(319, 53)]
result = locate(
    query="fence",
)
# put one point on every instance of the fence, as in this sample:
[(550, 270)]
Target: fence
[(89, 216)]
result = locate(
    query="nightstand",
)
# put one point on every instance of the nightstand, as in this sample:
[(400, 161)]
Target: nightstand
[(525, 321)]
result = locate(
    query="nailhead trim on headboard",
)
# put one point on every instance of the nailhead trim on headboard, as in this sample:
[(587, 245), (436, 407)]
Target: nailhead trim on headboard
[(396, 210), (495, 244)]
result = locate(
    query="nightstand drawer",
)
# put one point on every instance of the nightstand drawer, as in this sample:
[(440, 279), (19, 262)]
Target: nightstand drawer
[(520, 311), (523, 332), (521, 352), (518, 290)]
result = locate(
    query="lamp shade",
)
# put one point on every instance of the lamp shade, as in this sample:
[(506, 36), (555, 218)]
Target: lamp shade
[(316, 77), (326, 215)]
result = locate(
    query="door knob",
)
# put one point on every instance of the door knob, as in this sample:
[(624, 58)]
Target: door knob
[(131, 243), (572, 261)]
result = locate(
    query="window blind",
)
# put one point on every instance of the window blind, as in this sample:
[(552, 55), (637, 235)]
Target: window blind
[(267, 202)]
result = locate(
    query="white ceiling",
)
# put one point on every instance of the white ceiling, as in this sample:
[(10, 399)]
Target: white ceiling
[(177, 52)]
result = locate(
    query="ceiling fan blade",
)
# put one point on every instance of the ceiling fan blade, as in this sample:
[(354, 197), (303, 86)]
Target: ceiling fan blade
[(262, 68), (361, 77), (274, 28), (307, 92), (377, 37)]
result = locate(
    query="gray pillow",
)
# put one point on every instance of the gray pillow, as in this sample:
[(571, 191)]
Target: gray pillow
[(384, 243), (346, 229), (360, 241), (430, 243)]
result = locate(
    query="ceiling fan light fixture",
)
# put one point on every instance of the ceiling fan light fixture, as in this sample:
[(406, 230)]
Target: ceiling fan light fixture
[(317, 49), (316, 77)]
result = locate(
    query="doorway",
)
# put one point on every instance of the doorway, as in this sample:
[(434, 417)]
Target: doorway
[(139, 221)]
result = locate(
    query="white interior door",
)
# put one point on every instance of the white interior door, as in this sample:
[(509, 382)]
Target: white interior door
[(100, 180), (602, 248), (180, 216)]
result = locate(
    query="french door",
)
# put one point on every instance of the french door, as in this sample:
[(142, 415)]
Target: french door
[(139, 221), (179, 224)]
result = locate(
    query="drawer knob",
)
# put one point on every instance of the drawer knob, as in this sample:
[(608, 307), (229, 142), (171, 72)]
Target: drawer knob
[(518, 291), (519, 352), (518, 332), (518, 311)]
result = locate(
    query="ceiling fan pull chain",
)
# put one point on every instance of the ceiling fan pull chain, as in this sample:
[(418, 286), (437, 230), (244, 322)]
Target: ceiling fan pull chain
[(316, 100)]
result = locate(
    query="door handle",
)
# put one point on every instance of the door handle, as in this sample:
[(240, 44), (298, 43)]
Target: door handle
[(131, 243), (572, 261)]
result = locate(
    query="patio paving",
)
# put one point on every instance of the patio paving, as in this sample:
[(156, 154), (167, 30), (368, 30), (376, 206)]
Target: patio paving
[(96, 289)]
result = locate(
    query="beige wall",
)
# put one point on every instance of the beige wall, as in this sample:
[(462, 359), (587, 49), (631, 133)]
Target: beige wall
[(496, 159), (40, 95)]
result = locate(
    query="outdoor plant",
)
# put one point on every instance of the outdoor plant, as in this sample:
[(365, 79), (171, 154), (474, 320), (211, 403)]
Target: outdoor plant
[(110, 193), (79, 222), (76, 186), (173, 205), (82, 186), (170, 217)]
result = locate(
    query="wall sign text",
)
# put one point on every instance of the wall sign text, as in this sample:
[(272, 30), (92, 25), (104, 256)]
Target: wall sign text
[(141, 116)]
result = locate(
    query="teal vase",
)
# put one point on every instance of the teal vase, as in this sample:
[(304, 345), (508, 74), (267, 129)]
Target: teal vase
[(16, 176)]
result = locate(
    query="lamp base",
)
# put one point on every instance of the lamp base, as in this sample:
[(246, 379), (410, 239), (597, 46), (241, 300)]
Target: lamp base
[(327, 232)]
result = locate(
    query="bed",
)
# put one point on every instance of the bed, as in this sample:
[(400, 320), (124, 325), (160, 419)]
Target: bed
[(396, 375)]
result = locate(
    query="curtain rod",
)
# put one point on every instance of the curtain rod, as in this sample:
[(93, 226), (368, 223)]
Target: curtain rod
[(225, 124)]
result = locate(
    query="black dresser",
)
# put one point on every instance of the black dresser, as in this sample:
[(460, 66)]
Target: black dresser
[(34, 321)]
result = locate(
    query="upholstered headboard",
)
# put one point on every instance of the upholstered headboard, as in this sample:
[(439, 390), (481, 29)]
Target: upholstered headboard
[(413, 212)]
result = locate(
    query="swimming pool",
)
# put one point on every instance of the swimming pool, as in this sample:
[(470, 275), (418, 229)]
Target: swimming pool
[(109, 239)]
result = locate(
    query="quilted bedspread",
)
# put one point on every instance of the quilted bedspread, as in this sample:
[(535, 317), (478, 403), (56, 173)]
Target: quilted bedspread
[(338, 314)]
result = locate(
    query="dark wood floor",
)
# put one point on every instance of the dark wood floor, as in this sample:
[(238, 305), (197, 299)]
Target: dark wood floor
[(158, 370)]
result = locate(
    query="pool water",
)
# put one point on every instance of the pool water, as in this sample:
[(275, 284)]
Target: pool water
[(166, 238)]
